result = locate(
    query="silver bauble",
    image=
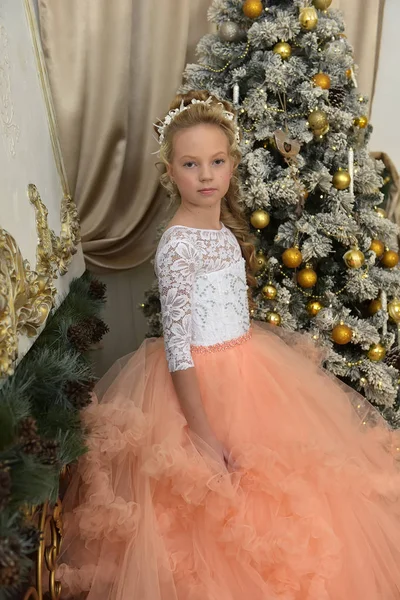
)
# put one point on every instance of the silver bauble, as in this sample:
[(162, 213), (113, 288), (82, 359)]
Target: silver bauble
[(230, 32)]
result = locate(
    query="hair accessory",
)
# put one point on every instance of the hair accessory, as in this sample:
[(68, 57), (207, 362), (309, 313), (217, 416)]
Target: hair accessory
[(176, 111)]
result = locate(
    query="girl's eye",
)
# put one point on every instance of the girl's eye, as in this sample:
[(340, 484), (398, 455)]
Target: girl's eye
[(219, 161), (189, 164)]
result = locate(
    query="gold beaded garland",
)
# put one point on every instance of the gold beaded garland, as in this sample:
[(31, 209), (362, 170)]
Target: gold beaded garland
[(354, 258), (260, 219), (283, 49), (292, 258), (376, 352), (252, 8), (313, 307), (342, 334), (273, 318), (307, 277), (341, 179), (378, 247), (322, 80), (389, 259)]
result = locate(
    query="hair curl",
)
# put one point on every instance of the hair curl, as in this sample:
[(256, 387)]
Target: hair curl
[(232, 215)]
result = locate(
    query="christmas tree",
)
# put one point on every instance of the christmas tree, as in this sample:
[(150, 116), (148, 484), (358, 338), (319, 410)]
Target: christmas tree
[(327, 256)]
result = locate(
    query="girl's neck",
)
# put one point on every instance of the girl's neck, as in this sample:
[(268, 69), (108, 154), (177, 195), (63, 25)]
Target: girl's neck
[(197, 220)]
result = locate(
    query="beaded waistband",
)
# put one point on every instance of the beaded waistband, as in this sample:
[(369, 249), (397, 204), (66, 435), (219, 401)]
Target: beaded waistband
[(222, 345)]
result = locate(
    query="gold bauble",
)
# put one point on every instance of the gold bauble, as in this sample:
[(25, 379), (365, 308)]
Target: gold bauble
[(361, 122), (374, 306), (283, 49), (260, 219), (273, 318), (313, 307), (322, 4), (390, 259), (292, 258), (308, 18), (342, 334), (307, 277), (341, 179), (261, 261), (306, 193), (269, 291), (322, 80), (394, 310), (317, 119), (378, 247), (376, 352), (319, 133), (349, 73), (381, 212), (252, 8), (354, 258)]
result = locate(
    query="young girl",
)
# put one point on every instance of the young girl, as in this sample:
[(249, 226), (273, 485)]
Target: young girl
[(223, 463)]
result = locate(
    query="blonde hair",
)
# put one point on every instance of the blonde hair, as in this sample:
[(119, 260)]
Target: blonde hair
[(232, 215)]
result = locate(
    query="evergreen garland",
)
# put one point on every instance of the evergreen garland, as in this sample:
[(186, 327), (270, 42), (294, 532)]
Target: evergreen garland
[(40, 430)]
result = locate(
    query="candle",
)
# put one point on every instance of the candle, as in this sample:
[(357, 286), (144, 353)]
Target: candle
[(236, 94), (351, 170)]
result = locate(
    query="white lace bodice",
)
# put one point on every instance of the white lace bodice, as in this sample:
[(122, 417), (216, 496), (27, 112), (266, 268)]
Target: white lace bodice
[(203, 291)]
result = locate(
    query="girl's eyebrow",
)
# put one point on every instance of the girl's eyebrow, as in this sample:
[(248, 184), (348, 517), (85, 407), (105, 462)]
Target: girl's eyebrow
[(195, 157)]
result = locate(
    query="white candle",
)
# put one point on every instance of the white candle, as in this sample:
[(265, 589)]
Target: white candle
[(351, 170), (384, 309), (353, 77), (236, 94)]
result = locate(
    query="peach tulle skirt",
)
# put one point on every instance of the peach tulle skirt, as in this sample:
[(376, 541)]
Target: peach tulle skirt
[(311, 511)]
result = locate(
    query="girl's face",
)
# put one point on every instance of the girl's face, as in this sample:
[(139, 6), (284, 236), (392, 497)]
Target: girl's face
[(201, 166)]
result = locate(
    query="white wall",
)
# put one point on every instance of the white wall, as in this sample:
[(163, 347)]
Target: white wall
[(385, 116)]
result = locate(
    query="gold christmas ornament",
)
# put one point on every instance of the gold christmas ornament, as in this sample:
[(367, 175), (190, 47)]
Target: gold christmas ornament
[(389, 259), (308, 18), (354, 258), (342, 334), (341, 179), (317, 119), (361, 122), (394, 310), (313, 307), (319, 133), (292, 258), (269, 291), (252, 8), (283, 49), (307, 277), (273, 318), (260, 219), (380, 212), (374, 306), (378, 247), (322, 4), (376, 352), (349, 73), (322, 80), (261, 261), (306, 193)]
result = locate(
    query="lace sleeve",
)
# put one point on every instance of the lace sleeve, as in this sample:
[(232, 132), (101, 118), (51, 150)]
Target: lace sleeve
[(175, 267)]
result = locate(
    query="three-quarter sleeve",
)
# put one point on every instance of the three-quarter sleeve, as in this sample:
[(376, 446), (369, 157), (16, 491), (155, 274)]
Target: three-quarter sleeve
[(175, 267)]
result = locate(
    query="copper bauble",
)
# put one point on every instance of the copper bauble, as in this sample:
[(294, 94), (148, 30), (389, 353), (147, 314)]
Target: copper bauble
[(341, 179), (342, 334), (354, 258), (361, 122), (317, 119), (273, 318), (307, 277), (261, 261), (252, 8), (381, 212), (374, 306), (292, 258), (394, 310), (260, 219), (322, 80), (313, 307), (308, 18), (269, 291), (378, 247), (389, 259), (322, 4), (376, 352), (283, 49), (306, 193)]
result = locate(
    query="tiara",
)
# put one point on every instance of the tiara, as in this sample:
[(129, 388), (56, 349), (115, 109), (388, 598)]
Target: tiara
[(176, 111)]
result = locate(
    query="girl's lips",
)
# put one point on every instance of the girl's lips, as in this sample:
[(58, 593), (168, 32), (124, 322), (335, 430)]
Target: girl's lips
[(207, 191)]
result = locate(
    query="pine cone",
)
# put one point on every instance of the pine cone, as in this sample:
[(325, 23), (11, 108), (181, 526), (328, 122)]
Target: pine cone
[(99, 329), (10, 567), (5, 487), (79, 335), (79, 392), (28, 437), (337, 97), (49, 452), (97, 289)]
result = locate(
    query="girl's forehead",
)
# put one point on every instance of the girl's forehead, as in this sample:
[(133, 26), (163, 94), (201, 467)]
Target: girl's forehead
[(200, 136)]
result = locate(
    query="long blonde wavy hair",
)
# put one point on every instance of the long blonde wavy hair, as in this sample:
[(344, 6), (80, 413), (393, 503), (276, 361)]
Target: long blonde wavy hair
[(232, 215)]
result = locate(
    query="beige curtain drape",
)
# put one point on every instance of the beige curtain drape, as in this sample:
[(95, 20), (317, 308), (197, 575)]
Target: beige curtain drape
[(113, 68)]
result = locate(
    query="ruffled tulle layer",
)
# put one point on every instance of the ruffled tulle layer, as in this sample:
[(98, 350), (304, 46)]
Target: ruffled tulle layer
[(311, 511)]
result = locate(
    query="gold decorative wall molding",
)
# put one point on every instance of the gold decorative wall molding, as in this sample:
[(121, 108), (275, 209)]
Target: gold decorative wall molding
[(27, 295)]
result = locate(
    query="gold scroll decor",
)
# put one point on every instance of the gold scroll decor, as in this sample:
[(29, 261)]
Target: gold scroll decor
[(26, 295)]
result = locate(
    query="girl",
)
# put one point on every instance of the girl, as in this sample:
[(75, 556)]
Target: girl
[(223, 463)]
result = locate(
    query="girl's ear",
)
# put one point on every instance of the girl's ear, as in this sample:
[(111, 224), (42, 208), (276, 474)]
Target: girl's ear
[(169, 171)]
